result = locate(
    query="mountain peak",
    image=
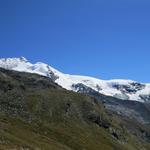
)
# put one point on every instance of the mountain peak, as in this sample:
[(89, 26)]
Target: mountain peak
[(23, 59)]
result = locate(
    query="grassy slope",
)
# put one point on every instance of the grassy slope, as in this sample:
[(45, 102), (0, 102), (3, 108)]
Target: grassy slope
[(37, 114)]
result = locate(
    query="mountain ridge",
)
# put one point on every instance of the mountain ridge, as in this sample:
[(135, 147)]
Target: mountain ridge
[(119, 88)]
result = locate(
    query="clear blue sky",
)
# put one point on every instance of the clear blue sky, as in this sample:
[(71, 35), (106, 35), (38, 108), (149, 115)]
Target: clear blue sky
[(101, 38)]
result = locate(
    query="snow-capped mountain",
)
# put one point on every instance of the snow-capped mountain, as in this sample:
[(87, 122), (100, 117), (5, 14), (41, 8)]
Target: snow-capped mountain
[(122, 89)]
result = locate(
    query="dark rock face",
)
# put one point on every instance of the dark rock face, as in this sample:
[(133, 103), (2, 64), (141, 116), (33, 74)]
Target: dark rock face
[(52, 75), (81, 88), (146, 98), (133, 88)]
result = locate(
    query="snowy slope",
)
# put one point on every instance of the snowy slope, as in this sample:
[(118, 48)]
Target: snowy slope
[(123, 89)]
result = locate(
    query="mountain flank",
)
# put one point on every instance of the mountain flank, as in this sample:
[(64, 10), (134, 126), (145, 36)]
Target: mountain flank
[(38, 114)]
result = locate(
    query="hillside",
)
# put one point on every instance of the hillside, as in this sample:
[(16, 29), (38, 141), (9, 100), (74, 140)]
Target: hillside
[(37, 114)]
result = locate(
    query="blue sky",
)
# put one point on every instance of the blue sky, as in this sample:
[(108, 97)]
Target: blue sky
[(101, 38)]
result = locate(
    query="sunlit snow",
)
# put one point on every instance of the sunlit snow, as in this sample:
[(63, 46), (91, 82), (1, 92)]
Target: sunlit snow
[(66, 80)]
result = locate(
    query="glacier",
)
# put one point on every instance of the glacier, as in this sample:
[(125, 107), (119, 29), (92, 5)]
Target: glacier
[(119, 88)]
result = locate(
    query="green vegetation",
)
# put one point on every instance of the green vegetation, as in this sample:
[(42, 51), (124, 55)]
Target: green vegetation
[(37, 114)]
